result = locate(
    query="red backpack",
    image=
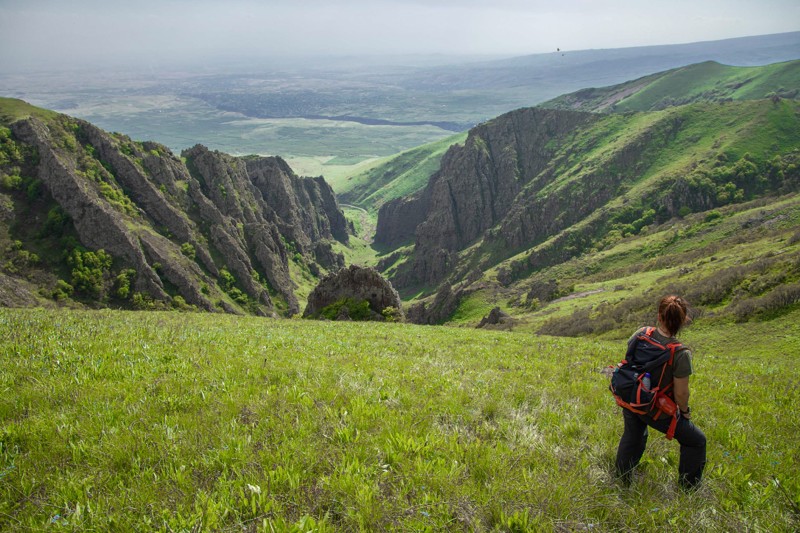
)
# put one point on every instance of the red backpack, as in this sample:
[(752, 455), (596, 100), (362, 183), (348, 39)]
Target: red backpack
[(645, 355)]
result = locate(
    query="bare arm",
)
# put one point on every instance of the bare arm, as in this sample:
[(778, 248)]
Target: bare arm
[(681, 389)]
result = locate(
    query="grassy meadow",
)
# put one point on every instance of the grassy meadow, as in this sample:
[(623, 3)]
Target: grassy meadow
[(123, 421)]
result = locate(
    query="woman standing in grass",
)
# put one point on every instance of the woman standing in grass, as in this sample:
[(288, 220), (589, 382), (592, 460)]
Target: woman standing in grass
[(672, 316)]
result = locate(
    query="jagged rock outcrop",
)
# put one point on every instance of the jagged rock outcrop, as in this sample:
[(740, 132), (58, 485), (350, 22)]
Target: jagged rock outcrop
[(476, 186), (496, 319), (296, 205), (443, 306), (517, 181), (97, 223), (398, 219), (354, 283), (219, 231), (237, 224)]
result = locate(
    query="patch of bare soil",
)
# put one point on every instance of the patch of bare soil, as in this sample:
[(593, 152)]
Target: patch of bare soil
[(619, 96), (578, 295)]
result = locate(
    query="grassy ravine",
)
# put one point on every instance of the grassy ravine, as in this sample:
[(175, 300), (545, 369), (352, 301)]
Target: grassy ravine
[(121, 421)]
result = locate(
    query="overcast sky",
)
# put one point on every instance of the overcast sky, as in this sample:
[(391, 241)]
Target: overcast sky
[(43, 33)]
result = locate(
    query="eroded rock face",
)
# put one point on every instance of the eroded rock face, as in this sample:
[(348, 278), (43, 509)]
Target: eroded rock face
[(179, 225), (356, 283), (436, 312), (518, 180), (398, 219), (474, 190), (97, 223)]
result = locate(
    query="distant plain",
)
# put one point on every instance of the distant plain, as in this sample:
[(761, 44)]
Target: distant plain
[(336, 116)]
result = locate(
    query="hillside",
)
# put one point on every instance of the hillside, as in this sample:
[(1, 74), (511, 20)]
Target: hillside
[(121, 421), (702, 82), (549, 186), (94, 218), (409, 171), (395, 176), (739, 263)]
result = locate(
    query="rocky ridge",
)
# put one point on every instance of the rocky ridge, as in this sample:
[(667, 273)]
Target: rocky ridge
[(475, 188), (216, 230), (547, 185)]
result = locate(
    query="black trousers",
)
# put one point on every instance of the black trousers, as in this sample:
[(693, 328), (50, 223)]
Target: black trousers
[(634, 441)]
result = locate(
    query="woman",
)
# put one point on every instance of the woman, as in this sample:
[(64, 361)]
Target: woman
[(672, 316)]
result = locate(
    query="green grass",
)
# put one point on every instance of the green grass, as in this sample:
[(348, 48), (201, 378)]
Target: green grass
[(12, 110), (396, 176), (357, 252), (748, 252), (118, 421), (333, 171), (473, 308), (707, 81), (713, 80)]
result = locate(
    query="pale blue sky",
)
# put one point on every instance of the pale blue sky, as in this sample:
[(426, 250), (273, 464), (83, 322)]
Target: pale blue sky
[(84, 32)]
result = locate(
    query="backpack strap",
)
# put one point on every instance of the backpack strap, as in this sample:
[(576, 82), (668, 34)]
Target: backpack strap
[(674, 347), (673, 424), (629, 406)]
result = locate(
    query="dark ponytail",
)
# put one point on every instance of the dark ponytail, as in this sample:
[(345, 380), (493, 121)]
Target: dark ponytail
[(673, 312)]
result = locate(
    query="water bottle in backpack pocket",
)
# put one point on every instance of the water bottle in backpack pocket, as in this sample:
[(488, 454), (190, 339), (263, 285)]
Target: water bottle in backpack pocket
[(644, 395), (631, 385)]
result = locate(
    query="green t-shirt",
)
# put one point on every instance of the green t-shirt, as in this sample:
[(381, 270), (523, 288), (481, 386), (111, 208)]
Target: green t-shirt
[(681, 365)]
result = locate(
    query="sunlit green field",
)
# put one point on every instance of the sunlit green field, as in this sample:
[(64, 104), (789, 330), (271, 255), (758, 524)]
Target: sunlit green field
[(181, 122), (119, 421)]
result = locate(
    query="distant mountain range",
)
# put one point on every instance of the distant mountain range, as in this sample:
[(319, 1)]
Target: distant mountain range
[(465, 93), (565, 71)]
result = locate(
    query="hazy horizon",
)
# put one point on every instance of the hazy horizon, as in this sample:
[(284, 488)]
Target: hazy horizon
[(46, 34)]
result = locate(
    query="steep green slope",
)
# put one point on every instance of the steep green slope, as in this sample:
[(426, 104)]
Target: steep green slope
[(709, 81), (702, 82), (583, 189), (740, 262), (12, 110), (396, 176)]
